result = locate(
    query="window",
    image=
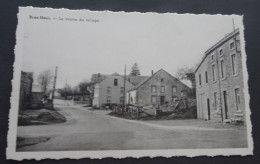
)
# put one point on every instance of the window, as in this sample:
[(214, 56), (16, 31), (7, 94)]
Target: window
[(232, 45), (234, 64), (215, 100), (153, 89), (206, 77), (154, 99), (108, 90), (184, 93), (213, 72), (115, 82), (108, 99), (162, 80), (174, 89), (162, 89), (237, 95), (121, 100), (200, 79), (222, 65), (122, 90), (220, 52), (212, 57)]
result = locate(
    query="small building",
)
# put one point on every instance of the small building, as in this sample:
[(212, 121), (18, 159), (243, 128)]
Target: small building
[(219, 81), (25, 89), (159, 88), (37, 93), (110, 90)]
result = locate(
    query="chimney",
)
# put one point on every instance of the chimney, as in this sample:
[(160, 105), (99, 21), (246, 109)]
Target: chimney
[(152, 72)]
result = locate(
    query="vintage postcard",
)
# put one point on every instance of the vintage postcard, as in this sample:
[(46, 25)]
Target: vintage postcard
[(96, 84)]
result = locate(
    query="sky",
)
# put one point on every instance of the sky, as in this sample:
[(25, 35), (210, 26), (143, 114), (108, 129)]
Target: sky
[(153, 41)]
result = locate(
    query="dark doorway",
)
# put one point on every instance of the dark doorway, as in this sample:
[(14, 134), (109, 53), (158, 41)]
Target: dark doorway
[(208, 106), (162, 99), (225, 104)]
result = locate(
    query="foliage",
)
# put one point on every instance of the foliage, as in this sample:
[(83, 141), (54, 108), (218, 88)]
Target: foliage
[(183, 72), (45, 78), (66, 91), (135, 70), (84, 87)]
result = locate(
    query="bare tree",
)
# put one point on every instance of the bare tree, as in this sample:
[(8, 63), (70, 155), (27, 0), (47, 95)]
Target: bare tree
[(135, 70), (45, 78)]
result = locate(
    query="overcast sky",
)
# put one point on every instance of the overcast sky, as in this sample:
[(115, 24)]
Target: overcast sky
[(153, 41)]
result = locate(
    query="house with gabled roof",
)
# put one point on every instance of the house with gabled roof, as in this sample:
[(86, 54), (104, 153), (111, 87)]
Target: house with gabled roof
[(157, 89), (110, 90)]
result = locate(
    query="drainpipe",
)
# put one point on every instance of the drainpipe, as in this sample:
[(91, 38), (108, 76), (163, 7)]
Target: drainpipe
[(219, 85)]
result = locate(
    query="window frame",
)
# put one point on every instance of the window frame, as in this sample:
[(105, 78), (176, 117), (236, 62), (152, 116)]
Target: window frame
[(213, 68), (206, 77), (153, 96), (221, 52), (108, 90), (115, 82), (109, 99), (200, 83), (234, 64), (237, 97), (222, 69), (232, 45), (161, 89), (155, 89), (174, 87)]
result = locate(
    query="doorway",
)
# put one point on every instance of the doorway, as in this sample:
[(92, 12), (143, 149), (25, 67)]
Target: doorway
[(208, 106), (225, 104), (162, 99)]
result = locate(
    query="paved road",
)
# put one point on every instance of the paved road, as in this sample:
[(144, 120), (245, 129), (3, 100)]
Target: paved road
[(87, 130)]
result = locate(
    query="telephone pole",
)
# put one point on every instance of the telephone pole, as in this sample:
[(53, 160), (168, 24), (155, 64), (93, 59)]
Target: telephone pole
[(54, 85)]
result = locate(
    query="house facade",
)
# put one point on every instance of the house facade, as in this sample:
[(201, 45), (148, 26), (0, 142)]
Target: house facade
[(219, 81), (110, 90), (37, 93), (25, 89), (159, 88)]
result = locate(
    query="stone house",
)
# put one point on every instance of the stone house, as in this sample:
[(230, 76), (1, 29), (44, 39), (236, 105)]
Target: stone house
[(219, 81), (37, 93), (159, 88), (110, 90), (25, 89)]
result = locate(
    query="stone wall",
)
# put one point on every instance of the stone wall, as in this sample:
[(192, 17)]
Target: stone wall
[(144, 92), (206, 90)]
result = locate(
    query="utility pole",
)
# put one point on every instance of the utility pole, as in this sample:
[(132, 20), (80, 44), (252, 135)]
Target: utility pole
[(124, 83), (54, 85)]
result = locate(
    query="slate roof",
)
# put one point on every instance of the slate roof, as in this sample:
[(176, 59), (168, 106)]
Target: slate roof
[(149, 77), (135, 80)]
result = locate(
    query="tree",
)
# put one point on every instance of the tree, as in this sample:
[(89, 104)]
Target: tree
[(84, 87), (186, 74), (182, 73), (66, 91), (135, 70), (45, 78)]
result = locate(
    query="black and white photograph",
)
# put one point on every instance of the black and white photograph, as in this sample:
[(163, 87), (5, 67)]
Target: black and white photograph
[(96, 84)]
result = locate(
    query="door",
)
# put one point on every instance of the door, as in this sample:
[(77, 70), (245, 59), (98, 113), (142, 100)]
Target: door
[(225, 104), (162, 98), (208, 106)]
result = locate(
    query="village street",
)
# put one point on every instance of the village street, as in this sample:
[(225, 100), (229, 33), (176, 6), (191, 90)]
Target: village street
[(94, 130)]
